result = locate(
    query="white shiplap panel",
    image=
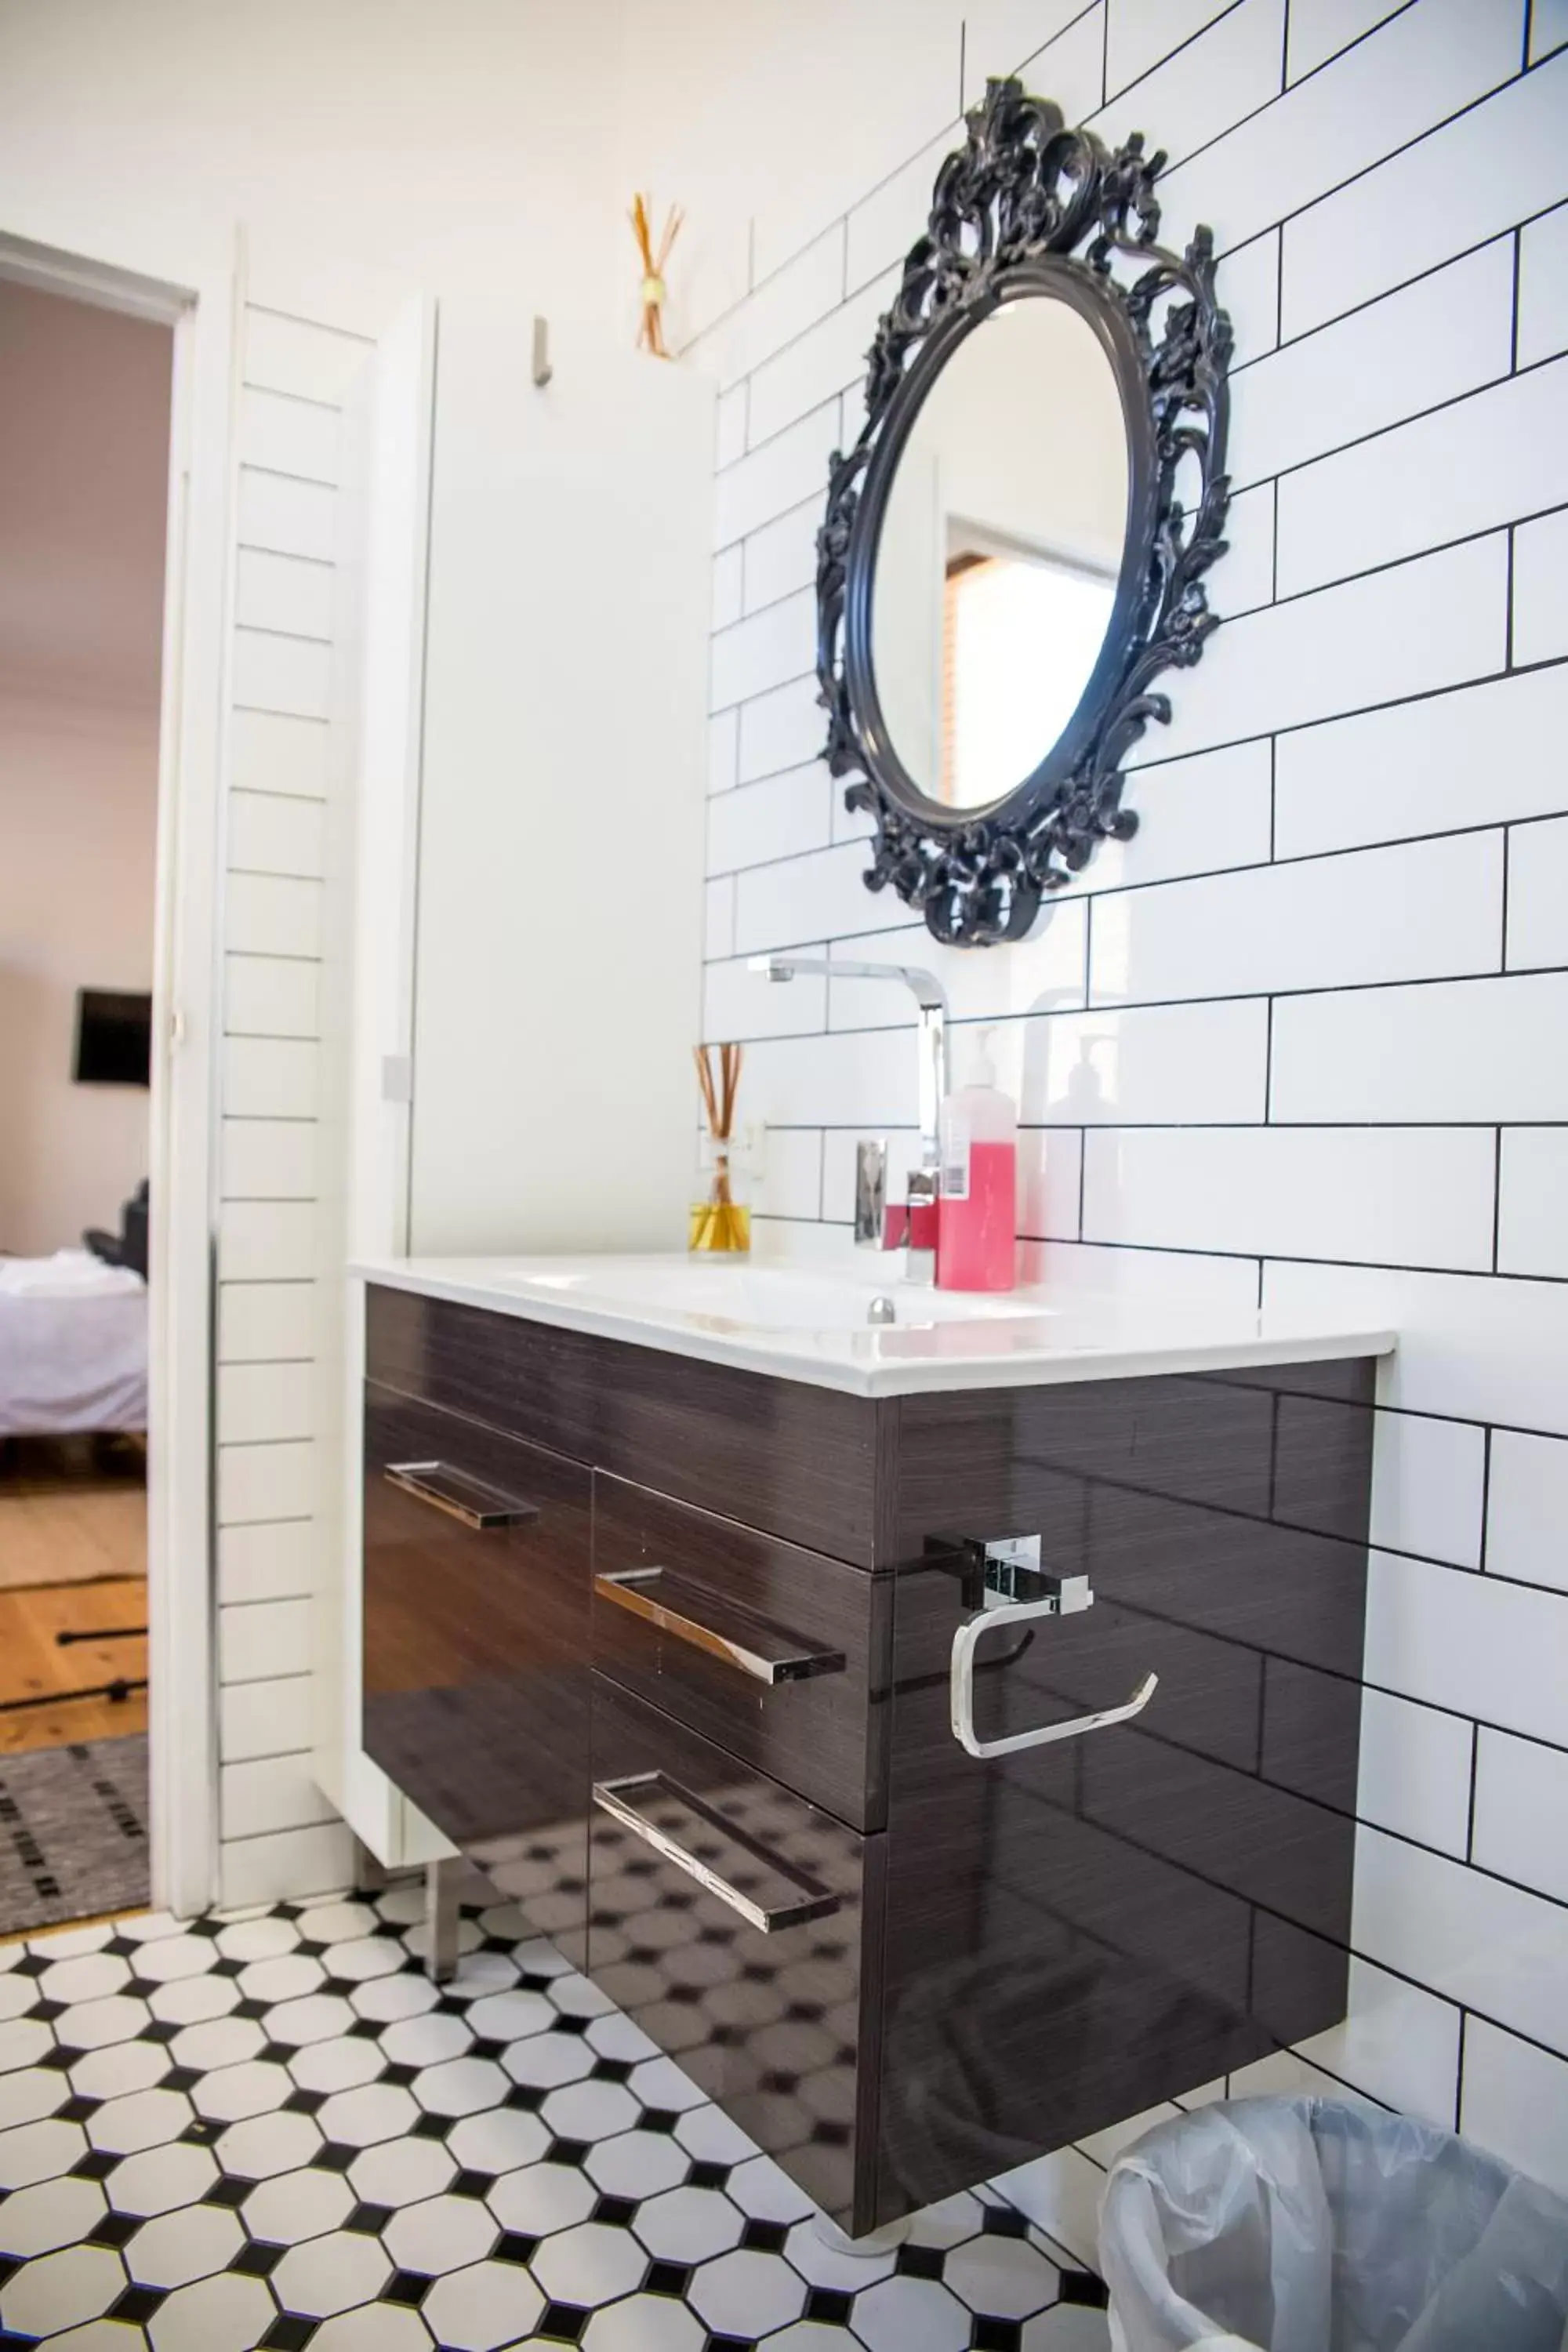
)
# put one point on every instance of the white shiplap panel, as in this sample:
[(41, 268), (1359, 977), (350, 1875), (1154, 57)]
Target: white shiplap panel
[(291, 518), (290, 435), (269, 1241), (264, 1718), (270, 914), (271, 996), (263, 1320), (293, 1863), (291, 355), (269, 1159), (269, 833), (284, 591), (273, 1481), (272, 751), (275, 1560), (272, 1793), (290, 675)]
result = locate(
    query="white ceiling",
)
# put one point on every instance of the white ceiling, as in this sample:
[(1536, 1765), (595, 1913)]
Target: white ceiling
[(84, 442)]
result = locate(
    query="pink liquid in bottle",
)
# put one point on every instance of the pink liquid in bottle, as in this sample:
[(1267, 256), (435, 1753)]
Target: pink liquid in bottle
[(976, 1219), (975, 1246)]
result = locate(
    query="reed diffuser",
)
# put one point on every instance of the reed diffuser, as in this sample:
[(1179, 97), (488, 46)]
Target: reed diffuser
[(651, 293), (719, 1221)]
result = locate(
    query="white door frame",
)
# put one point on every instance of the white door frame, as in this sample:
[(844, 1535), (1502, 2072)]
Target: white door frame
[(195, 290)]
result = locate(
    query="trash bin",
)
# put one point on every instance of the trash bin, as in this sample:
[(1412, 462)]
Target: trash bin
[(1316, 2225)]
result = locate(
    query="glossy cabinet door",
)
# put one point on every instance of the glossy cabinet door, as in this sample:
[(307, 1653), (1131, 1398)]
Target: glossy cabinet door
[(476, 1647), (732, 1921), (1081, 1928)]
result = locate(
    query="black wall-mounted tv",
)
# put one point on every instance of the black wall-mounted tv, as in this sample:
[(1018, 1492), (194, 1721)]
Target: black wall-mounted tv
[(113, 1038)]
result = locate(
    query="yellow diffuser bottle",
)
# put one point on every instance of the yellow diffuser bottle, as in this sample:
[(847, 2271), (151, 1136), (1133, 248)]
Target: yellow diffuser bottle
[(721, 1221)]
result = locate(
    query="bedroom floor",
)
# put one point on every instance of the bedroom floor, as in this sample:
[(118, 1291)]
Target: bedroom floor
[(73, 1561), (73, 1600), (71, 1508)]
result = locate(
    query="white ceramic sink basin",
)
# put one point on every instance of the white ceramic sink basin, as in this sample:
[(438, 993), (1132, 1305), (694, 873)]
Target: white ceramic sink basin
[(809, 1320), (775, 1298)]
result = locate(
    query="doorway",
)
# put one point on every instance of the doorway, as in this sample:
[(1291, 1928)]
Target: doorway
[(86, 393)]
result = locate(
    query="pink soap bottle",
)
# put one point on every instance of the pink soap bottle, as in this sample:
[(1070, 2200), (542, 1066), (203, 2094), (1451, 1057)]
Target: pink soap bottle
[(976, 1218)]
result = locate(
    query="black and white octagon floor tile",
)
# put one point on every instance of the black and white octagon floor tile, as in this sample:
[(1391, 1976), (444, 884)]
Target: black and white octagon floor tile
[(271, 2129)]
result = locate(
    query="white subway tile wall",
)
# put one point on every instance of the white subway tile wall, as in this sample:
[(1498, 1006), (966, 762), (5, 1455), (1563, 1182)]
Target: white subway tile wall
[(1301, 1039), (278, 1836)]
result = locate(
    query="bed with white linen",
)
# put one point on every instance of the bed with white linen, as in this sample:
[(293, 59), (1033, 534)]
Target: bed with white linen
[(73, 1346)]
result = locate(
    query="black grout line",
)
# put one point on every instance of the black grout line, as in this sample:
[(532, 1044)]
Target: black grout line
[(754, 449), (1127, 89), (1501, 825), (1364, 171), (954, 130), (1502, 530), (756, 613), (1471, 1808), (1497, 1194), (1216, 1252), (1269, 1062), (1273, 796)]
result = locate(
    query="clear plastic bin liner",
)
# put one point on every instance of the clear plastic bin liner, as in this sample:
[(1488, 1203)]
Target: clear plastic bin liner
[(1312, 2225)]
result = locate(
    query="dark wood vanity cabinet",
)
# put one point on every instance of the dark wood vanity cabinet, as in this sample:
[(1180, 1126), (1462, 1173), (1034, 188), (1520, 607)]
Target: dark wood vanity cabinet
[(709, 1740)]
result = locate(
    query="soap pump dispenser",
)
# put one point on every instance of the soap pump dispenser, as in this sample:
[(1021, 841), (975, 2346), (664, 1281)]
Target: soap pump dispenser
[(976, 1246)]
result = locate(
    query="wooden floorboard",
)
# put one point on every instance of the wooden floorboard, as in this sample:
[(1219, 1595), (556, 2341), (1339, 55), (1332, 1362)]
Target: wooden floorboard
[(71, 1509), (35, 1665)]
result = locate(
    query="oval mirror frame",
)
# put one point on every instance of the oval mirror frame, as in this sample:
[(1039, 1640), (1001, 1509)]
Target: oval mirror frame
[(1010, 212)]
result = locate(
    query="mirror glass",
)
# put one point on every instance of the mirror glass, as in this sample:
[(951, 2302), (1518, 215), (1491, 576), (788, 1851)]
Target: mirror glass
[(999, 553)]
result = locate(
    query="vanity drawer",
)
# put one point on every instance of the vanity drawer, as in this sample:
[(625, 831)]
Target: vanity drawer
[(778, 1655), (476, 1641), (781, 1454), (727, 1916)]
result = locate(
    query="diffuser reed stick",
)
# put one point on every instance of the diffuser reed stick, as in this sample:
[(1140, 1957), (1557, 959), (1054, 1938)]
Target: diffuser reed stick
[(651, 334), (720, 1222)]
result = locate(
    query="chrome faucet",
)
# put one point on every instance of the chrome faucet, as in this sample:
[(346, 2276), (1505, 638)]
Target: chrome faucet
[(870, 1175)]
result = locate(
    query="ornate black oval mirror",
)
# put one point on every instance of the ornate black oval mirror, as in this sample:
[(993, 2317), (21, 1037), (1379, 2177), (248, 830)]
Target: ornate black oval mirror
[(1014, 547)]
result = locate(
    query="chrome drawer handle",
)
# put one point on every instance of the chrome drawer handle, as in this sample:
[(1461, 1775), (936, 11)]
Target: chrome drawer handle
[(961, 1685), (615, 1798), (751, 1648), (458, 1495)]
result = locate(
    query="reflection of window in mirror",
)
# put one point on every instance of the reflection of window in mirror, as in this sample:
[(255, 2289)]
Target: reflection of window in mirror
[(1022, 629)]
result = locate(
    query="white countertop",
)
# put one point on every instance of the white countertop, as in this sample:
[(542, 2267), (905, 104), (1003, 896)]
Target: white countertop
[(808, 1323)]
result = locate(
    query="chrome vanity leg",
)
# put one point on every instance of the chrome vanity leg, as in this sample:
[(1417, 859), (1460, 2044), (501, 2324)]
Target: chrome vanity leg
[(880, 2242), (441, 1917), (370, 1876)]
